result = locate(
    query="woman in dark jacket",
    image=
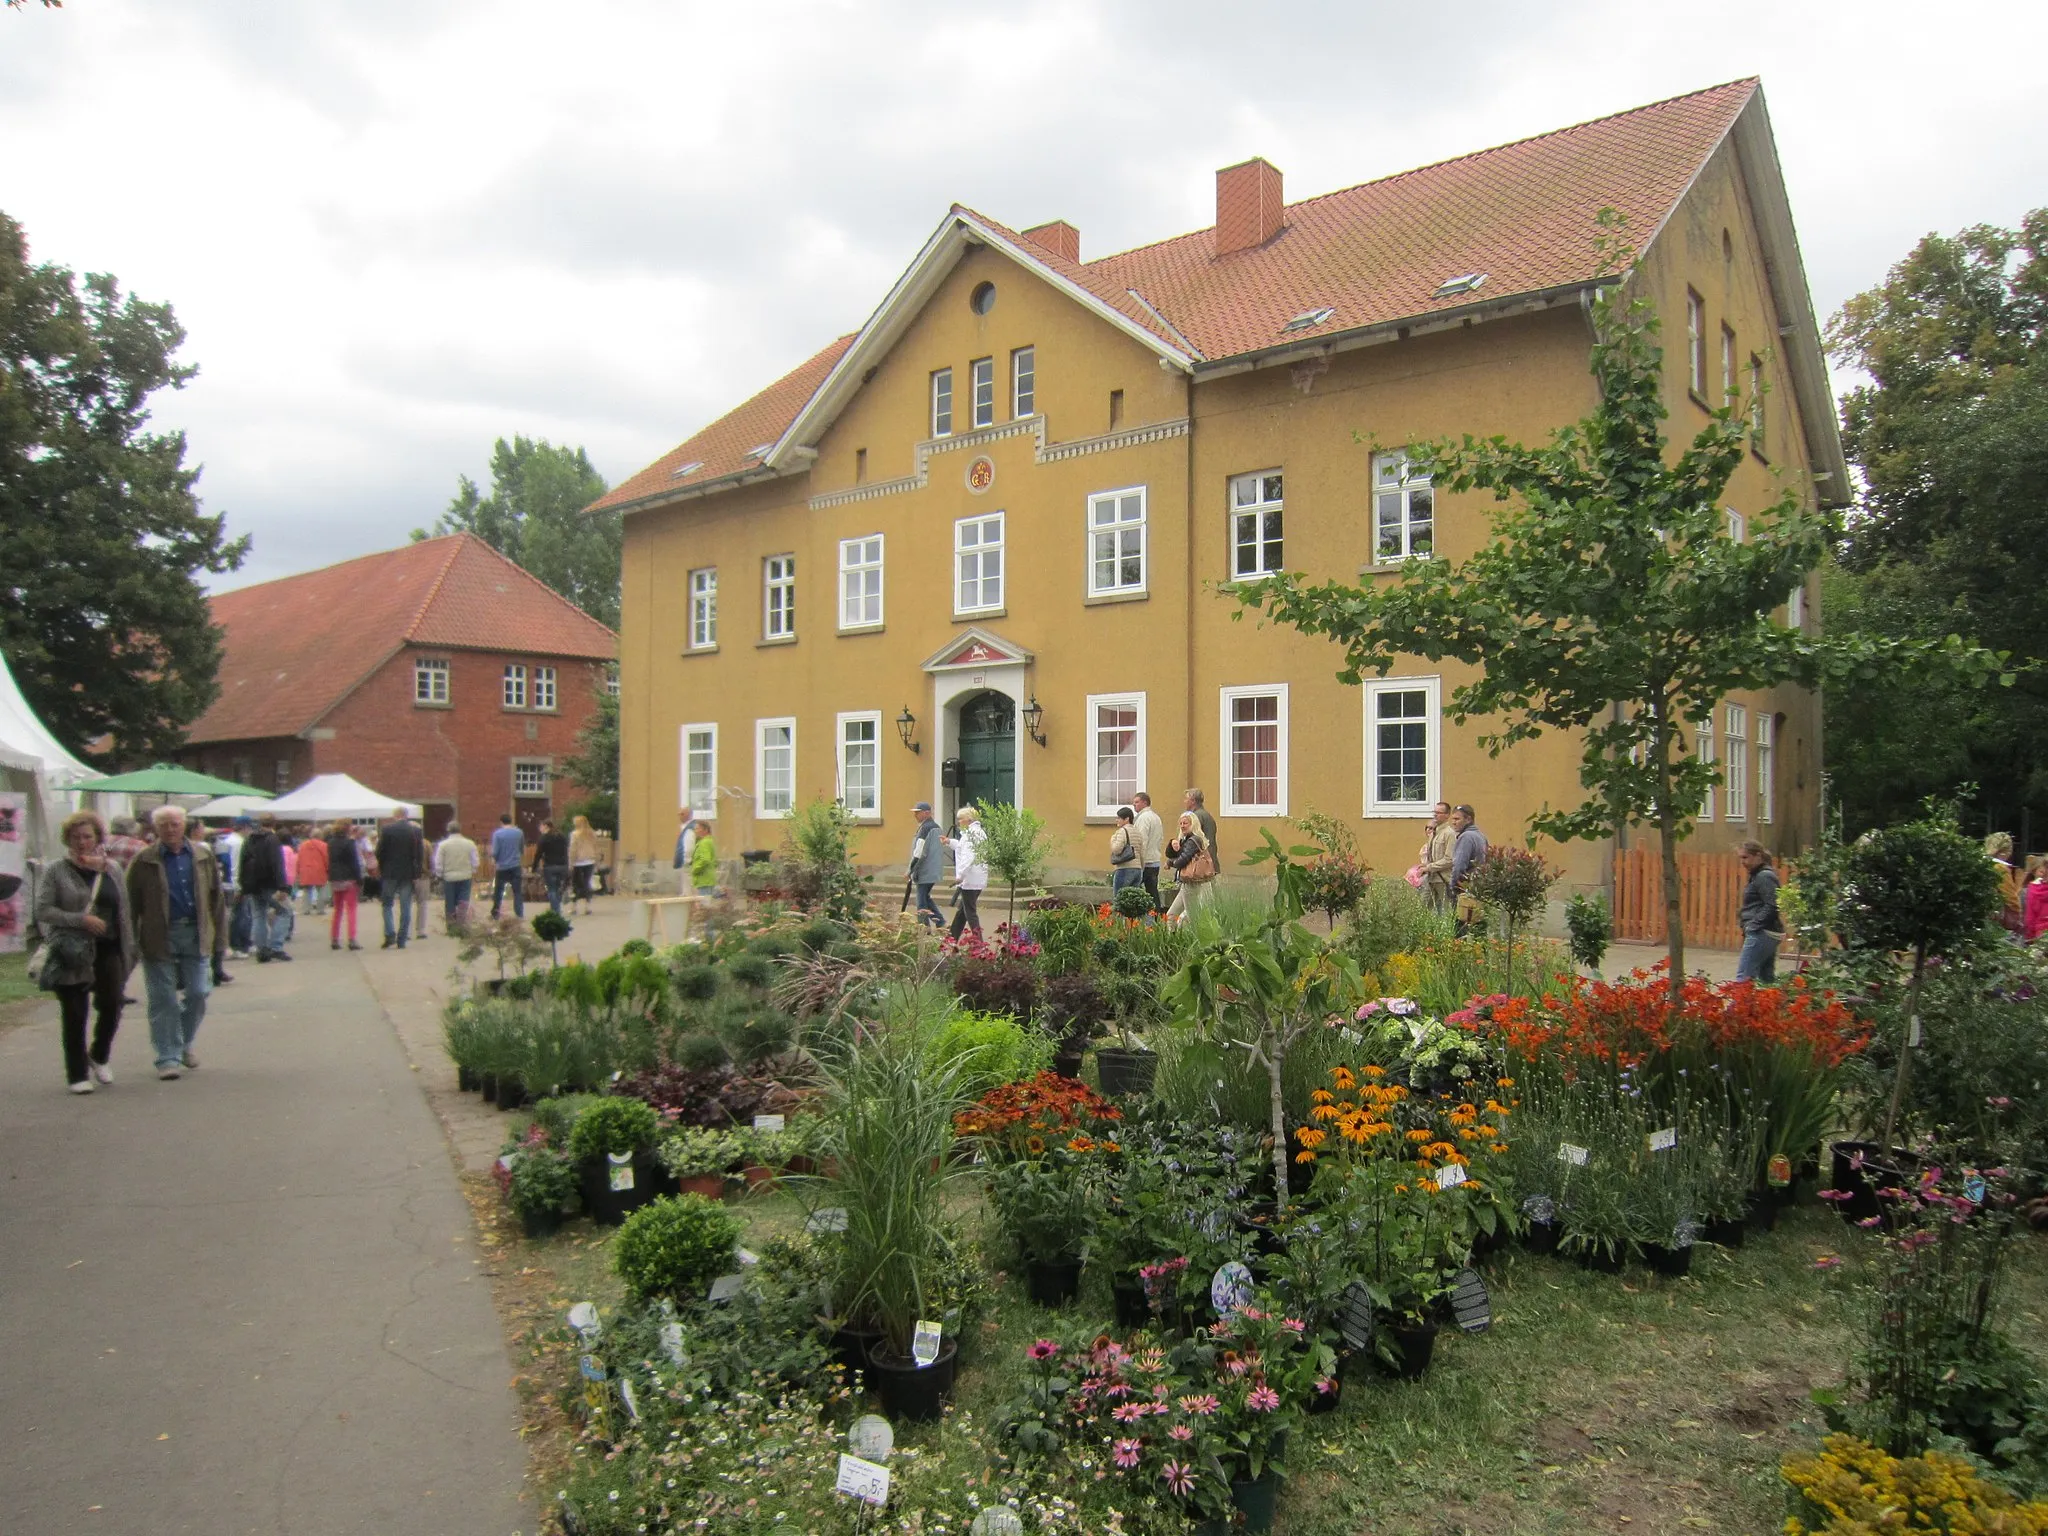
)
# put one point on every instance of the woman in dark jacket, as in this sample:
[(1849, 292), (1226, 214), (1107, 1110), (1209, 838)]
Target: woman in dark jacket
[(82, 907), (345, 877)]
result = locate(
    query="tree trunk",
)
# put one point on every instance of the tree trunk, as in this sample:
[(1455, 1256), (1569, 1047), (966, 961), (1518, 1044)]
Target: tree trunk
[(1273, 1053), (1674, 921), (1891, 1113)]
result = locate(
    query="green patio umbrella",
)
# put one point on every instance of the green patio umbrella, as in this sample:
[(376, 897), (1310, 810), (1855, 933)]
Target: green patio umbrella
[(168, 779)]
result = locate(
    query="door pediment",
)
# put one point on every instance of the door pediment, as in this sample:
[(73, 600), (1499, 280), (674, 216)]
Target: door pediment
[(977, 649)]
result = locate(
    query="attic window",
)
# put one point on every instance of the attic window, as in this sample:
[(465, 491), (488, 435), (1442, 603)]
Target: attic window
[(1457, 285), (1309, 319), (983, 299), (687, 469)]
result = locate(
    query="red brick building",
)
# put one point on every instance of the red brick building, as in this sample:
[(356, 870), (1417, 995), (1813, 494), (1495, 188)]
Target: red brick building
[(440, 672)]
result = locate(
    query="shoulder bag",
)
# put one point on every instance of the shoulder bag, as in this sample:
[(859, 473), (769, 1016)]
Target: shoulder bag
[(65, 949), (1200, 868), (1125, 854)]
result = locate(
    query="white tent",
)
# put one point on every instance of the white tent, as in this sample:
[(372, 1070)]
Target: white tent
[(336, 797), (228, 807), (35, 764)]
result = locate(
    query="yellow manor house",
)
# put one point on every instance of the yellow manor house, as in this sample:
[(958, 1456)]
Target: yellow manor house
[(981, 548)]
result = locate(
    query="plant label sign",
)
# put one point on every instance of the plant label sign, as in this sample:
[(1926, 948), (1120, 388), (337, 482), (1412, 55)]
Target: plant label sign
[(621, 1171), (627, 1397), (1470, 1304), (725, 1287), (1974, 1188), (745, 1256), (1779, 1170), (672, 1344), (924, 1344), (871, 1437), (1355, 1317), (591, 1367), (863, 1480), (1230, 1288), (1576, 1156), (1664, 1140), (1450, 1176), (769, 1123), (828, 1218), (584, 1319), (997, 1520)]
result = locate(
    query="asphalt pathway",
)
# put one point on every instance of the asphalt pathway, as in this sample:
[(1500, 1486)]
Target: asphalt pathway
[(248, 1300)]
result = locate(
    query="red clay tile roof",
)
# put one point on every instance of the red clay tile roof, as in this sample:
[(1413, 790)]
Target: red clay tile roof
[(1522, 214), (296, 647)]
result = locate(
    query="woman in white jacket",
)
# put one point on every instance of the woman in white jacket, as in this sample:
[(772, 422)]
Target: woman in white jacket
[(970, 871)]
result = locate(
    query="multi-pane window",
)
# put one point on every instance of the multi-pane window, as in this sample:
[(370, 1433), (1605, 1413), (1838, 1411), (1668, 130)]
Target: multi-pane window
[(978, 563), (529, 778), (1756, 403), (774, 767), (282, 775), (860, 763), (1695, 344), (1023, 382), (515, 686), (778, 582), (703, 609), (1703, 729), (1766, 768), (1738, 525), (611, 681), (1735, 760), (1403, 510), (543, 687), (1795, 607), (1255, 750), (981, 375), (700, 769), (942, 402), (1116, 542), (1116, 750), (1255, 516), (1727, 366), (860, 582), (430, 682), (1402, 749)]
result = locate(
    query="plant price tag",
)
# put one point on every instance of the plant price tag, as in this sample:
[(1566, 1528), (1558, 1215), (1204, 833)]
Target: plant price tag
[(924, 1344), (1450, 1176), (863, 1479), (621, 1170), (591, 1367), (725, 1287), (672, 1344), (627, 1397), (1576, 1156), (1664, 1140), (769, 1123), (829, 1218)]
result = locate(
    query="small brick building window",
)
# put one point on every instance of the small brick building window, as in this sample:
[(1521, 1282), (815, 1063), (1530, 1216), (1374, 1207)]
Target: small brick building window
[(529, 778)]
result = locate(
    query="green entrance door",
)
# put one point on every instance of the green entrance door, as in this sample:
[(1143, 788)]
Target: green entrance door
[(988, 749)]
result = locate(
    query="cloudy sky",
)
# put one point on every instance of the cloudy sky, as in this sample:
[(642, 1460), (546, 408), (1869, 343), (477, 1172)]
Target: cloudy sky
[(397, 229)]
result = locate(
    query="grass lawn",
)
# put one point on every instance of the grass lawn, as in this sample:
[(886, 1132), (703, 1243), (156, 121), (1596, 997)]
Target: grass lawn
[(15, 987), (1595, 1403)]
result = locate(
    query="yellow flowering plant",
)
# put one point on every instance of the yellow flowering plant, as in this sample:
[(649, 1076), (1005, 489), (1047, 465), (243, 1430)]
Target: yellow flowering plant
[(1851, 1488)]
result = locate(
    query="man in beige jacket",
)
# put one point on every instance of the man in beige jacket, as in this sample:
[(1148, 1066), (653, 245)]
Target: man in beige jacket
[(1439, 848), (1149, 833), (455, 861)]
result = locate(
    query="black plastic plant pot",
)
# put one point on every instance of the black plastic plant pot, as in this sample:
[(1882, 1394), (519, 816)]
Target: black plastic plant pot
[(911, 1392), (1256, 1499), (852, 1346), (487, 1084), (609, 1207), (468, 1079), (1668, 1260), (1067, 1064), (511, 1093), (1123, 1073), (1861, 1169), (1326, 1402), (1054, 1283), (539, 1224), (1601, 1259), (1728, 1232), (1414, 1346), (1540, 1237), (1129, 1297), (1763, 1213)]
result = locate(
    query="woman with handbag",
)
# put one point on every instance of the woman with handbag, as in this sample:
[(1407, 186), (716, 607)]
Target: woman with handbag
[(88, 947), (1124, 868), (344, 881), (1193, 867)]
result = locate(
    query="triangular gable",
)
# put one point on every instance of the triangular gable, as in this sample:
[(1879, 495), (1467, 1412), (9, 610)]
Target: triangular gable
[(976, 647)]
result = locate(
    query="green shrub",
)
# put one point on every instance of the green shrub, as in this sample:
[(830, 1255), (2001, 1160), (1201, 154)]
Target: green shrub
[(702, 1051), (820, 935), (614, 1127), (1393, 919), (675, 1246), (987, 1050), (1132, 901), (774, 944), (755, 1033), (1591, 927), (1064, 933), (696, 983), (753, 970), (577, 983), (551, 926), (558, 1116), (543, 1183), (636, 947)]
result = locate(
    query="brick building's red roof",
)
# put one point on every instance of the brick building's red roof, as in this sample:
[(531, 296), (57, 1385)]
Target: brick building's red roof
[(1521, 214), (296, 647)]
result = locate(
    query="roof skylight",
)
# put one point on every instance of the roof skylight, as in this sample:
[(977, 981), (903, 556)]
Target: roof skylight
[(1309, 319), (686, 469), (1457, 285), (759, 451)]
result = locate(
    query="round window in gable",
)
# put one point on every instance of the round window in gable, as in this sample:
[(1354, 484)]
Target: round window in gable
[(983, 299)]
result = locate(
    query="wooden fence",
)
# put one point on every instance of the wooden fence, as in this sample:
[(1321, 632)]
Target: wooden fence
[(1709, 896)]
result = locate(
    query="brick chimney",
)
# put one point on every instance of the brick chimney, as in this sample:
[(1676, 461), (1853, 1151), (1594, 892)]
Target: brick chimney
[(1059, 237), (1249, 206)]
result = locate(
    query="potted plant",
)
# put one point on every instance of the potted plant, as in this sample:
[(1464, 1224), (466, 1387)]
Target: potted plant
[(550, 927), (674, 1247), (1046, 1205), (698, 1158), (543, 1184), (612, 1143)]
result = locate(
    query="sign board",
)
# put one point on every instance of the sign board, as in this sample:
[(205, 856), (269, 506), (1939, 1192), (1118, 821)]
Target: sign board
[(1230, 1288), (769, 1123), (725, 1287), (871, 1437), (583, 1318), (862, 1479), (627, 1397), (1450, 1176), (621, 1170), (997, 1520), (1576, 1156), (924, 1344), (672, 1344), (14, 912), (1470, 1304), (1664, 1140), (828, 1218)]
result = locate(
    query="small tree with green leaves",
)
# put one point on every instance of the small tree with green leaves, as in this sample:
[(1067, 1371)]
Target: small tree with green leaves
[(1017, 847), (1514, 883), (818, 862), (1336, 880), (1610, 599)]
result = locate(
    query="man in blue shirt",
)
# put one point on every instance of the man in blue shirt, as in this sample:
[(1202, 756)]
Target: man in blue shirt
[(508, 853), (1466, 856), (181, 922)]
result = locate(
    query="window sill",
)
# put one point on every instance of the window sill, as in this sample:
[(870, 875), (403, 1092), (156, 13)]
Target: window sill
[(432, 704), (1388, 567), (1698, 399), (976, 615), (1400, 813), (700, 650), (1251, 813), (1250, 579), (861, 629), (1758, 454), (774, 640), (1108, 599)]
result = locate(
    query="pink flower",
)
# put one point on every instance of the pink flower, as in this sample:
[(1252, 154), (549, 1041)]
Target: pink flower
[(1837, 1194), (1127, 1453), (1262, 1400), (1180, 1432), (1828, 1261), (1180, 1479), (1325, 1385), (1294, 1323), (1130, 1413), (1044, 1349), (1870, 1221), (1117, 1389), (1201, 1405)]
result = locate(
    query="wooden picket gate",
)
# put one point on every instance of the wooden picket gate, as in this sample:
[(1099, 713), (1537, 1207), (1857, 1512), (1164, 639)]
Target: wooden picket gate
[(1709, 897)]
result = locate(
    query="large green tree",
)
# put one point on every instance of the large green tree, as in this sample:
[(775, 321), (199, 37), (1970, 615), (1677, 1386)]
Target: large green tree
[(1950, 532), (534, 516), (1610, 600), (102, 540)]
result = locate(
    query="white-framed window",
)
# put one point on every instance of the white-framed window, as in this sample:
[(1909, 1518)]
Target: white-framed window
[(1256, 506), (515, 686), (978, 563), (544, 696), (1703, 745), (1403, 510), (1756, 403), (1254, 759), (1735, 759), (430, 682), (1795, 607), (1727, 366), (860, 582), (1116, 541), (860, 764), (1116, 750), (1024, 382), (774, 767), (942, 402), (1403, 746), (981, 376), (699, 788), (611, 680), (1696, 344), (1766, 768), (530, 778), (1738, 525), (778, 597), (704, 609)]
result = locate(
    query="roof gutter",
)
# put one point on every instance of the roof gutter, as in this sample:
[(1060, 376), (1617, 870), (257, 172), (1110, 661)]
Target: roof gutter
[(726, 482)]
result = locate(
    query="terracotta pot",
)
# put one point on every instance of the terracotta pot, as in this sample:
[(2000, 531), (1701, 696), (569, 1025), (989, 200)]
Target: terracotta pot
[(710, 1185)]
